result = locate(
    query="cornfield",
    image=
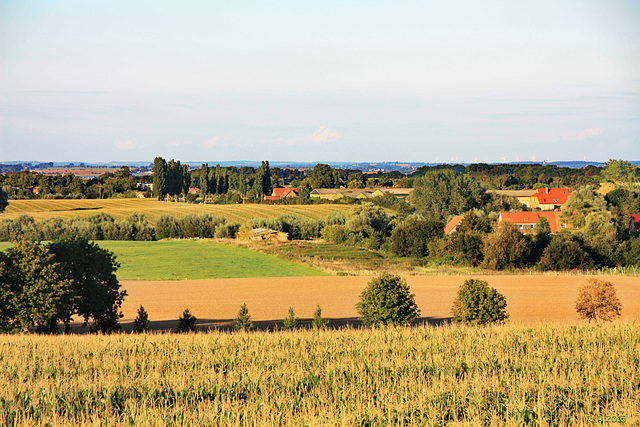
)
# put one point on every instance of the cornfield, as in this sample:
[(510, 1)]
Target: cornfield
[(498, 375)]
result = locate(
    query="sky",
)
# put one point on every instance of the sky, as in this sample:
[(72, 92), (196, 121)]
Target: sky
[(334, 81)]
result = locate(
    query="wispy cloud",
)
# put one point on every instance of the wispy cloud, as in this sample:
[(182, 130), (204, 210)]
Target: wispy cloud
[(217, 141), (323, 135), (583, 134), (129, 145)]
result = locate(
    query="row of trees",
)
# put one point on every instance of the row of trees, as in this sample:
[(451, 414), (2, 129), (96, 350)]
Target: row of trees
[(43, 285)]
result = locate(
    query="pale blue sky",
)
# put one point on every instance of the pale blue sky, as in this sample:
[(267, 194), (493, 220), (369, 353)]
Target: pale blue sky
[(430, 81)]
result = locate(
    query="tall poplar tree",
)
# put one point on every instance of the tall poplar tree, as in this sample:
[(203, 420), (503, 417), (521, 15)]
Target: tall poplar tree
[(159, 178)]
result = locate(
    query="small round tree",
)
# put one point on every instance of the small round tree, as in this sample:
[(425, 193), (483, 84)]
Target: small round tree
[(141, 322), (187, 322), (478, 304), (597, 300), (387, 301)]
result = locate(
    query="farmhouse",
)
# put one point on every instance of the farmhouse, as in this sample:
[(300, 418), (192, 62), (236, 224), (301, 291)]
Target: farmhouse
[(359, 193), (526, 221), (548, 199), (452, 226), (282, 193), (634, 224)]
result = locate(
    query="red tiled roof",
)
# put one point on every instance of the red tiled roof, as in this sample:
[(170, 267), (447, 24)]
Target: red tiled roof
[(635, 220), (284, 192), (552, 196), (531, 218), (449, 228)]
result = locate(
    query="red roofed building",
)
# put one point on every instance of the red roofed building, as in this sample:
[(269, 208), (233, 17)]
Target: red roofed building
[(451, 227), (526, 221), (548, 199), (281, 193), (634, 224)]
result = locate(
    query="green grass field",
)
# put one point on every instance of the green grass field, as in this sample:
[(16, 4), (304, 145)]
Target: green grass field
[(195, 259), (564, 375), (153, 209)]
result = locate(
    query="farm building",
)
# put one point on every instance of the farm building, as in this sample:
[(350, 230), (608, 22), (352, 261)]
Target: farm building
[(452, 226), (526, 221), (267, 234), (523, 196), (548, 199), (634, 223), (359, 193), (282, 193)]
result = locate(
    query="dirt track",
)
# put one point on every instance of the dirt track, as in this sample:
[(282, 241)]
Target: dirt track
[(530, 299)]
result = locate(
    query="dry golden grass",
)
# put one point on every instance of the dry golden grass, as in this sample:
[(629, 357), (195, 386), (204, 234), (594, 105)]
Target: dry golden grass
[(153, 209), (530, 299)]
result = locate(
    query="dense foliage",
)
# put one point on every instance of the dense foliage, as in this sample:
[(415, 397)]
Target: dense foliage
[(387, 301), (42, 285), (478, 304)]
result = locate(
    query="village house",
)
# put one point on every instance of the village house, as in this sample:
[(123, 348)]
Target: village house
[(526, 221), (282, 193), (548, 199), (523, 196), (634, 223), (452, 226)]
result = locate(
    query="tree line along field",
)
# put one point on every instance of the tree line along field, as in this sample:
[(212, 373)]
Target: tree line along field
[(516, 375), (153, 209)]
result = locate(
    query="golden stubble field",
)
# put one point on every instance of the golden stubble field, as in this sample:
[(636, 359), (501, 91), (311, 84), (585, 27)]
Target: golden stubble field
[(531, 299)]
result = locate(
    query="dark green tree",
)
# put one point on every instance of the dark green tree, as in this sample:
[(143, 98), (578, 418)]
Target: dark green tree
[(291, 322), (564, 252), (91, 271), (505, 248), (542, 226), (322, 176), (413, 238), (243, 319), (204, 180), (443, 193), (34, 290), (159, 178), (141, 322), (478, 304), (187, 322), (318, 321), (387, 301), (4, 200)]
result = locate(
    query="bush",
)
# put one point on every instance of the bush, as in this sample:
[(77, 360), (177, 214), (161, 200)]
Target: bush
[(141, 322), (386, 301), (291, 322), (478, 304), (187, 322), (597, 300)]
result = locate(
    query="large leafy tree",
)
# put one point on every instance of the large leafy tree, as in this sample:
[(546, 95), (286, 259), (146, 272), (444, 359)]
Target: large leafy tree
[(583, 202), (620, 171), (159, 178), (91, 273), (322, 176), (478, 304), (443, 193), (387, 301), (412, 239), (505, 247), (33, 289)]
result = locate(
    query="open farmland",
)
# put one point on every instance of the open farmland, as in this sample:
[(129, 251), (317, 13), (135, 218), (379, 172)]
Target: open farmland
[(153, 209), (542, 375), (530, 299)]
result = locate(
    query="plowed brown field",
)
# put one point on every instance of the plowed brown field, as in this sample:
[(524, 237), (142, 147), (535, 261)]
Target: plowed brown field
[(530, 299)]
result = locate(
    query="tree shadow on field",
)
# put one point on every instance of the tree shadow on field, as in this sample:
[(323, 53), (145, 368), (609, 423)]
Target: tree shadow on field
[(228, 325)]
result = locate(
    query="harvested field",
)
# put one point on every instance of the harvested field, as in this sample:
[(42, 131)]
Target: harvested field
[(530, 299), (152, 209)]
